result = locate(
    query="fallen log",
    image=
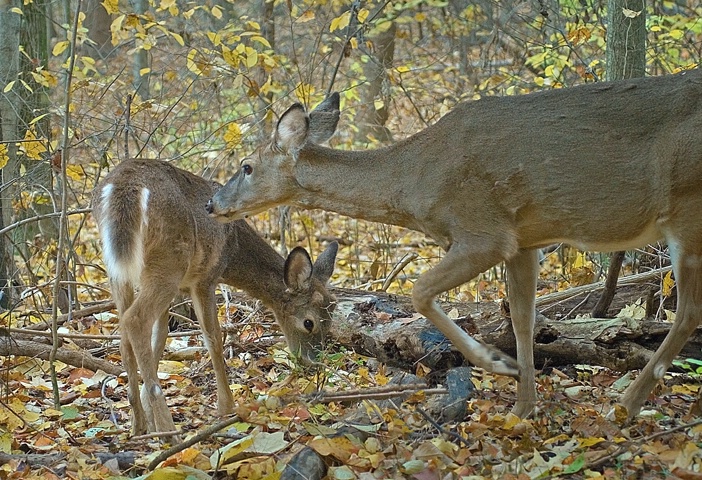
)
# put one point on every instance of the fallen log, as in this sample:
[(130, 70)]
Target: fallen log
[(78, 358), (386, 326)]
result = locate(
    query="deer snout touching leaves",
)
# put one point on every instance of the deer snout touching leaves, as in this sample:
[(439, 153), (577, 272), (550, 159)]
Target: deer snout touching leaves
[(604, 166), (157, 238)]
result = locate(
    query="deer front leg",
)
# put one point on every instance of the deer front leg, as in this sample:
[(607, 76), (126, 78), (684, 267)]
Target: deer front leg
[(688, 276), (522, 271), (206, 311), (461, 264)]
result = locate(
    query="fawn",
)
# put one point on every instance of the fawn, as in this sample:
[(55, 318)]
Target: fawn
[(157, 237)]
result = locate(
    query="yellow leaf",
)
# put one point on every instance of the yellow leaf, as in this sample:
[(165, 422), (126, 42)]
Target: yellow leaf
[(580, 261), (261, 40), (668, 284), (232, 135), (420, 16), (40, 79), (6, 442), (304, 91), (32, 147), (251, 57), (112, 6), (403, 69), (178, 39), (192, 64), (8, 87), (340, 448), (340, 22), (170, 367), (4, 158), (216, 12), (166, 4), (75, 172), (59, 48), (306, 17), (214, 38), (230, 56), (677, 34), (590, 441), (17, 11), (685, 389), (363, 14), (116, 27)]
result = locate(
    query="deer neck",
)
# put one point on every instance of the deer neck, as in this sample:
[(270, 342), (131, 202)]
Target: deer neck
[(359, 184), (257, 268)]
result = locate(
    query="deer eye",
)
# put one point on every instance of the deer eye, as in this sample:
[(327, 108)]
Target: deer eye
[(247, 169), (309, 325)]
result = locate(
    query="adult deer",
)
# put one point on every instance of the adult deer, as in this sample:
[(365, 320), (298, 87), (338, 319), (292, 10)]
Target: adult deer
[(156, 236), (603, 166)]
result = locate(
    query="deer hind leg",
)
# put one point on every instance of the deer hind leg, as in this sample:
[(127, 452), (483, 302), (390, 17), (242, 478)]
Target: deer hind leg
[(123, 295), (206, 310), (139, 331), (687, 266), (522, 271), (461, 264)]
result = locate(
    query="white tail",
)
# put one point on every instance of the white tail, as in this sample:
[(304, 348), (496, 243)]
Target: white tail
[(157, 237), (604, 166)]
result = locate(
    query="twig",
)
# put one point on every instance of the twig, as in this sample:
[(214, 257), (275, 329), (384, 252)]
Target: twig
[(441, 429), (37, 218), (375, 393), (84, 336), (149, 436), (63, 218), (410, 257), (208, 432), (351, 35), (84, 312)]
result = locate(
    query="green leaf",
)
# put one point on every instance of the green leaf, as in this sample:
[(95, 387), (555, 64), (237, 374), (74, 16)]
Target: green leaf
[(576, 466)]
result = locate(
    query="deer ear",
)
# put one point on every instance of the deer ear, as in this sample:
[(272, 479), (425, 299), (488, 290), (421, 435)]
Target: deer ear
[(324, 118), (298, 269), (324, 265), (293, 127)]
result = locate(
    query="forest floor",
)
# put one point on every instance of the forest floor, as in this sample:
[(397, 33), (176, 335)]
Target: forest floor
[(278, 415)]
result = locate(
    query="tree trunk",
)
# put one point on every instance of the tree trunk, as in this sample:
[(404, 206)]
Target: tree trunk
[(140, 74), (10, 104), (372, 116), (98, 22), (626, 58), (626, 39)]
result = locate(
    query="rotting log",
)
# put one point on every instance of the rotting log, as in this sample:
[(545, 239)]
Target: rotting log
[(386, 327)]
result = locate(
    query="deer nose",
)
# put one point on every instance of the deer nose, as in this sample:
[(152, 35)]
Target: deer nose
[(209, 206)]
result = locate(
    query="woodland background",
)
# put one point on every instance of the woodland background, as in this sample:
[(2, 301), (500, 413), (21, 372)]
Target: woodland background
[(85, 85)]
